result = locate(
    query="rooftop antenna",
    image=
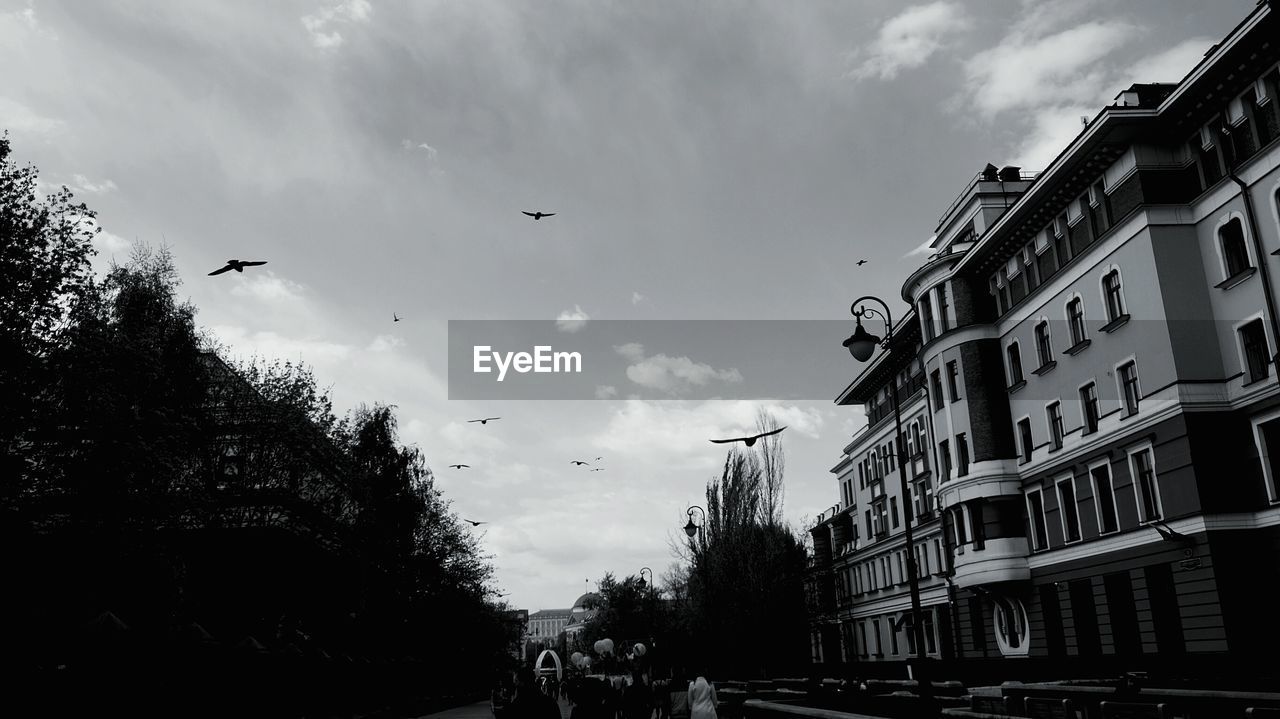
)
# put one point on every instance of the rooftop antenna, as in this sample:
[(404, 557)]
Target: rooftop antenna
[(1084, 120)]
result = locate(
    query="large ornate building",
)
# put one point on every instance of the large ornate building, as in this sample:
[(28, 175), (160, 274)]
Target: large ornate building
[(1089, 396)]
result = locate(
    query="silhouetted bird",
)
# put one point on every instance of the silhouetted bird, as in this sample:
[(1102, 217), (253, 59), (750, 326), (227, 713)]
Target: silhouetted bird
[(395, 317), (486, 420), (474, 523), (861, 262), (539, 215), (598, 469), (749, 441), (460, 466), (599, 458), (578, 462), (237, 265)]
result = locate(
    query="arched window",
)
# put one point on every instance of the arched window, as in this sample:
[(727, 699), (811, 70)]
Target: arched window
[(1113, 295), (1075, 320), (1044, 349), (1235, 255), (1011, 626)]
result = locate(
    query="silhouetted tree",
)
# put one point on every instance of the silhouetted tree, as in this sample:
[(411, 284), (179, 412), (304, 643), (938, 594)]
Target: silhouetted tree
[(44, 265), (745, 612)]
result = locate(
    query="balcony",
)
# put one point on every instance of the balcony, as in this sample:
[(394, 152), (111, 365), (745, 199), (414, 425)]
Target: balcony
[(1000, 560)]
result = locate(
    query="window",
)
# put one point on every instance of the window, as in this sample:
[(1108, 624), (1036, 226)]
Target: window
[(1089, 407), (944, 456), (1075, 321), (1111, 293), (953, 376), (1208, 159), (1099, 209), (1129, 387), (1026, 444), (935, 386), (922, 498), (1104, 498), (943, 307), (1145, 484), (962, 455), (1054, 414), (1235, 256), (1062, 240), (1011, 626), (1043, 346), (961, 528), (893, 511), (1039, 535), (1267, 436), (1253, 338), (926, 318), (1070, 513), (1015, 364)]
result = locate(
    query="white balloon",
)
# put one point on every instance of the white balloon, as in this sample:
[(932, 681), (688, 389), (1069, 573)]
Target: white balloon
[(599, 646), (608, 645), (640, 649)]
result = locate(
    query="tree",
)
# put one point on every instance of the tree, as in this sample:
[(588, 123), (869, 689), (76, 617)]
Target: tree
[(44, 265), (746, 606)]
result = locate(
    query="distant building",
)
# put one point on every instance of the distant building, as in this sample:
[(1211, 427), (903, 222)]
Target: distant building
[(1089, 392), (547, 624)]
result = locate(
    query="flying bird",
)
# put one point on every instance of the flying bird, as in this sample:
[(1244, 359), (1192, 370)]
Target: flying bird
[(578, 462), (473, 522), (598, 469), (599, 458), (861, 262), (749, 441), (237, 265), (395, 317), (538, 215), (460, 466), (486, 420)]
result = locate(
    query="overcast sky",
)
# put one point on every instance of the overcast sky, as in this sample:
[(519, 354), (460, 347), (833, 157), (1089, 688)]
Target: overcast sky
[(706, 160)]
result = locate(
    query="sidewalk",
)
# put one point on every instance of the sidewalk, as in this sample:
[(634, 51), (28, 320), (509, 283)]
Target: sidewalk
[(480, 710)]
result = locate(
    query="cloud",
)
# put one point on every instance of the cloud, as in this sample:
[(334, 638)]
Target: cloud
[(385, 343), (1052, 68), (432, 153), (1058, 69), (17, 117), (348, 11), (111, 243), (269, 287), (670, 374), (909, 39), (682, 428), (637, 298), (923, 248), (606, 391), (572, 320), (85, 185)]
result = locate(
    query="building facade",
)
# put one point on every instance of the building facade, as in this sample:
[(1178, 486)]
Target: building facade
[(1089, 395)]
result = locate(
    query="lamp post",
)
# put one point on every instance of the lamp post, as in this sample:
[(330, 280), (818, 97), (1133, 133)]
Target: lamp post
[(690, 528), (862, 344), (643, 583)]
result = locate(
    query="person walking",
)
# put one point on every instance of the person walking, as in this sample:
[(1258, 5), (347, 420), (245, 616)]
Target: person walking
[(678, 697), (702, 699), (637, 698), (530, 702)]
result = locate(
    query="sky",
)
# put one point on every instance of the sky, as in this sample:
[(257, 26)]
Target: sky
[(705, 161)]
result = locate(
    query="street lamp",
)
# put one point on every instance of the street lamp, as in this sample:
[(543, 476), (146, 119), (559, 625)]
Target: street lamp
[(691, 529), (861, 344), (643, 583)]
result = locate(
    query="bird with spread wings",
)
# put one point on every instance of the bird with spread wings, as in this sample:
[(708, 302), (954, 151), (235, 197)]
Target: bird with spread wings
[(486, 420), (237, 265), (749, 441), (538, 215)]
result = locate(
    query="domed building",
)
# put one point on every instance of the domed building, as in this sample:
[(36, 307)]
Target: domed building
[(547, 624), (584, 609)]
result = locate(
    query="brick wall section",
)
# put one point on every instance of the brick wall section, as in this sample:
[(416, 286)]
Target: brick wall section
[(991, 427)]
